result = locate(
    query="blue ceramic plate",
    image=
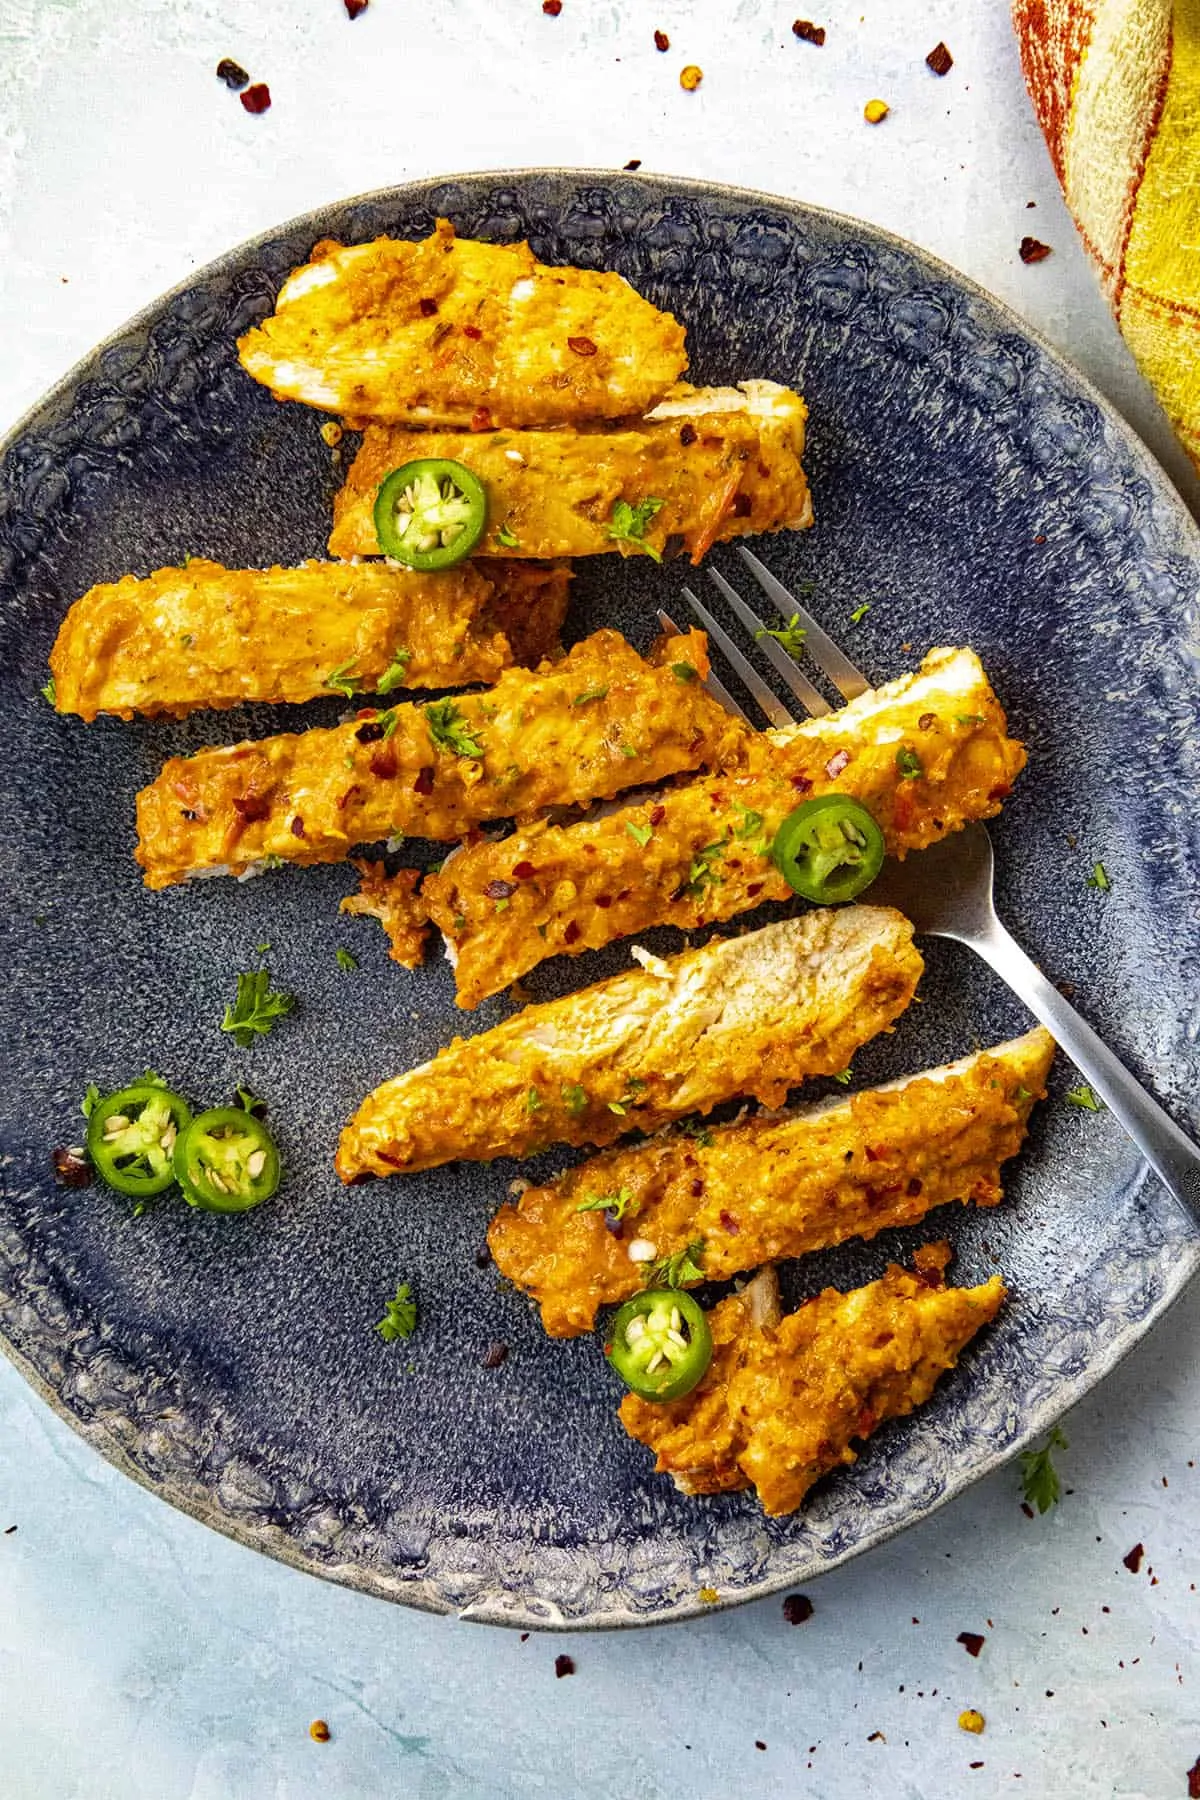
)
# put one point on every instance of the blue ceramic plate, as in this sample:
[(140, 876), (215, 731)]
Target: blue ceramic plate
[(974, 490)]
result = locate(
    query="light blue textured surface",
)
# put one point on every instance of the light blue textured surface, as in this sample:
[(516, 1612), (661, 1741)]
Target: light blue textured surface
[(142, 1656)]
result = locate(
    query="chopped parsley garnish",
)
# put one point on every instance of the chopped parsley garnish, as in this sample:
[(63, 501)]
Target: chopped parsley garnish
[(507, 536), (750, 830), (1084, 1097), (1099, 878), (789, 637), (617, 1106), (844, 1076), (346, 960), (394, 676), (860, 612), (676, 1271), (616, 1205), (575, 1099), (449, 730), (49, 693), (909, 764), (400, 1317), (533, 1101), (628, 524), (969, 718), (341, 681), (1021, 1095), (684, 672), (641, 834), (701, 874), (1040, 1484), (703, 1134), (588, 695), (629, 751), (256, 1008)]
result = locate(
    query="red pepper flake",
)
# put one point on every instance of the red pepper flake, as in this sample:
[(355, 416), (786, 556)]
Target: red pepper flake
[(231, 73), (971, 1641), (697, 1188), (877, 1737), (552, 8), (741, 506), (1194, 1780), (728, 1222), (687, 435), (495, 1354), (808, 32), (1133, 1561), (71, 1170), (755, 888), (424, 782), (352, 794), (384, 764), (428, 306), (802, 784), (758, 1744), (926, 721), (914, 1187), (356, 8), (581, 346), (604, 901), (835, 765), (251, 807), (940, 60), (657, 815), (256, 99), (297, 826), (975, 1765), (563, 1665), (635, 162), (500, 890), (370, 731), (571, 934), (523, 871), (481, 420), (1033, 250), (661, 41), (473, 332), (797, 1609)]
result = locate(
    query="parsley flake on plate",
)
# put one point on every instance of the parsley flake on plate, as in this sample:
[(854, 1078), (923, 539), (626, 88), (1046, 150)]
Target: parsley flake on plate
[(628, 524), (400, 1316), (450, 730), (256, 1008), (1039, 1478)]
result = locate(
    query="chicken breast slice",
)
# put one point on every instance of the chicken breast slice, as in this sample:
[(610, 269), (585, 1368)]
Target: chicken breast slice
[(752, 1015)]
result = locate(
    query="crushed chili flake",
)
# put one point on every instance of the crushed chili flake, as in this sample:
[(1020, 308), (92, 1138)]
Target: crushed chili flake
[(691, 77), (1133, 1561), (661, 41), (571, 934), (940, 60), (728, 1222), (231, 73), (971, 1641), (495, 1354), (876, 1737), (481, 419), (297, 826), (635, 162), (582, 346), (563, 1665), (500, 890), (758, 1744), (256, 99), (319, 1732), (71, 1168), (1194, 1780), (797, 1609), (356, 8), (473, 332), (1033, 250), (370, 731), (802, 784), (523, 871), (808, 32), (687, 435), (1027, 1509), (741, 506), (834, 766), (424, 782), (657, 815), (251, 807), (552, 8), (428, 306)]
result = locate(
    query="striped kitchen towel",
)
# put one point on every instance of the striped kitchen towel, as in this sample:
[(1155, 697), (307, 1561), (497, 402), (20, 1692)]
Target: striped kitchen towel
[(1116, 86)]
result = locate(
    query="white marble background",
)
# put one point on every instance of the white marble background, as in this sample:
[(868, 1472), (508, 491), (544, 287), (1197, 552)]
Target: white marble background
[(142, 1658)]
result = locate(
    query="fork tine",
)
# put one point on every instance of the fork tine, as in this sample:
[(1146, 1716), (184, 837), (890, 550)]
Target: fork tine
[(774, 708), (833, 662), (715, 686), (809, 696)]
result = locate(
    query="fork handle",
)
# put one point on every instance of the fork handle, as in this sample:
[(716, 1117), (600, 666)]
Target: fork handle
[(1170, 1153)]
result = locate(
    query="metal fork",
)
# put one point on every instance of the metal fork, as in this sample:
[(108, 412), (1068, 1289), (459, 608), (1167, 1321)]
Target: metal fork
[(946, 890)]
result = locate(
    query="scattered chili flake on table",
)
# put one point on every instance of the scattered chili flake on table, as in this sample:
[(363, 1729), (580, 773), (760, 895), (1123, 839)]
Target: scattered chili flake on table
[(971, 1641), (1194, 1780), (563, 1665), (876, 111), (940, 60), (797, 1609), (552, 8), (971, 1721), (810, 33), (635, 162), (758, 1744), (319, 1731), (1033, 250), (256, 99), (231, 73), (1133, 1561), (691, 77), (661, 41), (877, 1737), (71, 1167), (495, 1354), (356, 8)]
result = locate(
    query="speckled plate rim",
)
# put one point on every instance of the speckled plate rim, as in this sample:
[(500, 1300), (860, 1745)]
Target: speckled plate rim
[(423, 1593)]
